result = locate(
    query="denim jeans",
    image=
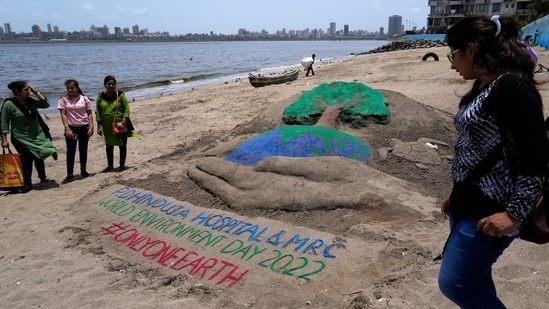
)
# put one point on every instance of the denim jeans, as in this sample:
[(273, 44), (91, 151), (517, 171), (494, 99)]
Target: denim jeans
[(82, 141), (465, 275)]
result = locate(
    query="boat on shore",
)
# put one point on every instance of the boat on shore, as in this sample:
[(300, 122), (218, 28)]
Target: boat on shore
[(260, 81)]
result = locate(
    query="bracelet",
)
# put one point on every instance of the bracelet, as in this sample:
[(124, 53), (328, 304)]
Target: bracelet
[(512, 216)]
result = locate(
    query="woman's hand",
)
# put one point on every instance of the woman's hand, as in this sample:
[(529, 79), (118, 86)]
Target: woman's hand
[(100, 130), (498, 224), (90, 131), (69, 134), (5, 143), (445, 207)]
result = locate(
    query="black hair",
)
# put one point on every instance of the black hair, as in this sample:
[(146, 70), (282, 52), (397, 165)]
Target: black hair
[(497, 54), (498, 48), (109, 78), (75, 83), (17, 85)]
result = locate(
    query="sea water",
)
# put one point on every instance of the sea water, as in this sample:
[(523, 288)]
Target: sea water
[(154, 68)]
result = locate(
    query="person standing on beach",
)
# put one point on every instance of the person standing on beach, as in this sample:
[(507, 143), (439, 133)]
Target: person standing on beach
[(310, 69), (29, 136), (107, 104), (492, 194), (77, 118)]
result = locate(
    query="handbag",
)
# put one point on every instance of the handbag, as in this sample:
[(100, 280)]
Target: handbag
[(118, 127), (11, 171), (535, 228)]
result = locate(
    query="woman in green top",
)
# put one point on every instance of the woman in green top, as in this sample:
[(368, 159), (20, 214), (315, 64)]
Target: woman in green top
[(105, 109), (20, 118)]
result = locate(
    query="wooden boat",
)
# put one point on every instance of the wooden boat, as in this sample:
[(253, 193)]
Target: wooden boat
[(260, 81)]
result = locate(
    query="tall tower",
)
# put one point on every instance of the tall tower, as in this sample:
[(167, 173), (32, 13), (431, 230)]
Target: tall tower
[(36, 31), (7, 29), (332, 28), (395, 25)]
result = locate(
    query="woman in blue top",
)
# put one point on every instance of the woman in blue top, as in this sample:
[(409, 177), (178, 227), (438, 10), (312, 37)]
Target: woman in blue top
[(492, 193)]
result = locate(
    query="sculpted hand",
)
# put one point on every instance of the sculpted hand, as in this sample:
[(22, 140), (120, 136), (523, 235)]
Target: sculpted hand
[(307, 183)]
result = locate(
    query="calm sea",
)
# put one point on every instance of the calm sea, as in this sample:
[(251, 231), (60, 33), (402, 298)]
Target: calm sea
[(147, 69)]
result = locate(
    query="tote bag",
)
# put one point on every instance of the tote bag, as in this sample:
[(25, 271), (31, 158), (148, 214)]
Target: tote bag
[(11, 171)]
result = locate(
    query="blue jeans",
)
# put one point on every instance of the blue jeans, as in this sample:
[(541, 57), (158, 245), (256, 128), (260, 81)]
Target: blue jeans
[(465, 275), (82, 141)]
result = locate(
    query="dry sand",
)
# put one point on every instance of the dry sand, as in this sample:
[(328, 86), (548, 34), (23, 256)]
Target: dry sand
[(59, 247)]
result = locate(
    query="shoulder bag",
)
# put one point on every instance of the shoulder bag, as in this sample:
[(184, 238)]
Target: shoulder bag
[(118, 127), (535, 228)]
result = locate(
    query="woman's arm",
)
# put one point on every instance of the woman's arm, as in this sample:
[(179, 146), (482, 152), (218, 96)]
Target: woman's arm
[(68, 131)]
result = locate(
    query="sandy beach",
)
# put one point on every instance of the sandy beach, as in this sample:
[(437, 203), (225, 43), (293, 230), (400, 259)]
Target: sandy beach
[(151, 236)]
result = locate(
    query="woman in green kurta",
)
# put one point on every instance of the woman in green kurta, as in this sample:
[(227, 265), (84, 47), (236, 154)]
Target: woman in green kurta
[(21, 120), (105, 109)]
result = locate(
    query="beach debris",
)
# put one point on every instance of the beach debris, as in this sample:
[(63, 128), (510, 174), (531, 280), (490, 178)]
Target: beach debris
[(415, 151)]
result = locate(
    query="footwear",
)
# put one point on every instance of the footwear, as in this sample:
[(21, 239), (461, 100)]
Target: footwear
[(107, 169), (122, 168), (46, 180), (26, 189), (68, 179), (85, 174)]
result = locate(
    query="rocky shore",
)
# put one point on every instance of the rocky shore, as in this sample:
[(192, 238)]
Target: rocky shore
[(406, 45)]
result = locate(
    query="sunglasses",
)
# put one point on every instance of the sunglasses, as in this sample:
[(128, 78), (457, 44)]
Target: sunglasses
[(451, 56)]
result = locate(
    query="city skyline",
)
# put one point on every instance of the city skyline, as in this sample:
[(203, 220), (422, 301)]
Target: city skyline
[(211, 16)]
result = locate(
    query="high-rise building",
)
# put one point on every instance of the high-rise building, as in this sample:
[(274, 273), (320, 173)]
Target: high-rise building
[(36, 32), (345, 30), (395, 25), (444, 14), (332, 30), (7, 29), (135, 30), (49, 28)]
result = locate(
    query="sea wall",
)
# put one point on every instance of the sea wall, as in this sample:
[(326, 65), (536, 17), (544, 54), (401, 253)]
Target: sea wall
[(540, 38)]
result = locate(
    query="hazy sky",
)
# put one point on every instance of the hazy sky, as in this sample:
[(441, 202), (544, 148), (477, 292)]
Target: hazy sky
[(203, 16)]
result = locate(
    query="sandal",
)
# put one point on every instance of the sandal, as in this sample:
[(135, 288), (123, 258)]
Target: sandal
[(107, 169), (46, 180), (85, 174)]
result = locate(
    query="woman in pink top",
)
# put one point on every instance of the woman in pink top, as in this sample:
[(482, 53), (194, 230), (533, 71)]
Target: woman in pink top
[(76, 115)]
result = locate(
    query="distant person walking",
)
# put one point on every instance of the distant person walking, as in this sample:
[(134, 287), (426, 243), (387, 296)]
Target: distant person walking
[(77, 118), (310, 69)]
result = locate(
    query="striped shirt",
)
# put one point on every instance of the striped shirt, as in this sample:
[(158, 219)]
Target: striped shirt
[(520, 112)]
